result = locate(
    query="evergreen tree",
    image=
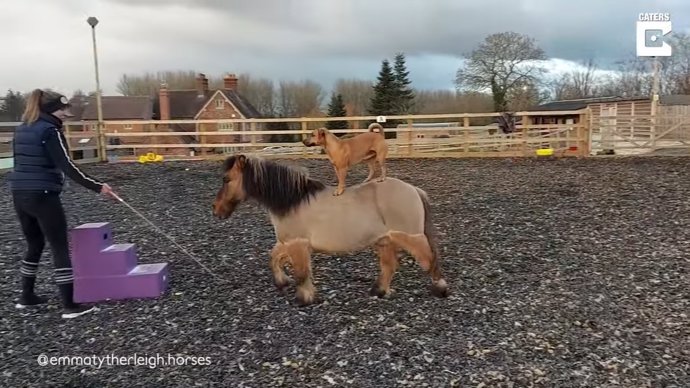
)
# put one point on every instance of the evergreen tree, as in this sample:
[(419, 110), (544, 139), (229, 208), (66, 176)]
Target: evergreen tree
[(336, 108), (13, 106), (404, 99), (383, 101)]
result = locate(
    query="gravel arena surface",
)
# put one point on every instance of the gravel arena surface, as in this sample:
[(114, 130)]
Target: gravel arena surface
[(563, 273)]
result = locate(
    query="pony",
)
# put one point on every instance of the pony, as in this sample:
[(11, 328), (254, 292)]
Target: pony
[(389, 216)]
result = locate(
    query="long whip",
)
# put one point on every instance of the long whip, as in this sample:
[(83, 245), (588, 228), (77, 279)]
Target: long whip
[(138, 213)]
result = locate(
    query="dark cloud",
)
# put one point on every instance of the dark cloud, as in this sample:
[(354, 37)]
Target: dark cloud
[(572, 30), (324, 39)]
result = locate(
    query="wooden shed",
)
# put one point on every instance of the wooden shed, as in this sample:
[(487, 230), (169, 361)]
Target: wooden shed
[(610, 106), (614, 118)]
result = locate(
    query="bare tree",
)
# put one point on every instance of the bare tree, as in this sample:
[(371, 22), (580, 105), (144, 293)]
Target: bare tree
[(501, 62), (147, 84), (585, 81), (447, 101), (675, 70), (299, 99), (526, 95), (578, 83), (634, 78), (356, 95), (259, 92)]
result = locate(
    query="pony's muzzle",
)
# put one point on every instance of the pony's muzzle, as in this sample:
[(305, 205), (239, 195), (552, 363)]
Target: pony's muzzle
[(224, 211)]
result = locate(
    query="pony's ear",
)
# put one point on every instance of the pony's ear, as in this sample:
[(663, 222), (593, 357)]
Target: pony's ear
[(321, 132), (241, 161)]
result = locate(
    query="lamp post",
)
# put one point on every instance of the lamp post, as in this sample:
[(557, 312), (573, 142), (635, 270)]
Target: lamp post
[(101, 141)]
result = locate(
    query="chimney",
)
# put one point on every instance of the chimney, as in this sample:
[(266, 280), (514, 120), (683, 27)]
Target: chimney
[(201, 84), (230, 82), (164, 102)]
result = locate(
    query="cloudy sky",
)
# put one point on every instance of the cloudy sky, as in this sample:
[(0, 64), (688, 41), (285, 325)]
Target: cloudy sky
[(47, 43)]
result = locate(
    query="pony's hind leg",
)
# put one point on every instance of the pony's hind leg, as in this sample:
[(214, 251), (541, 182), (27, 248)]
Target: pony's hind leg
[(388, 261), (418, 246), (278, 257), (300, 256)]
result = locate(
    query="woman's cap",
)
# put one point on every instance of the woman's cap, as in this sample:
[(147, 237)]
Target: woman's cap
[(51, 101)]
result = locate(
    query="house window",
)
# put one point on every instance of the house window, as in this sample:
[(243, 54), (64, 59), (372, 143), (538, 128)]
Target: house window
[(225, 126), (220, 104)]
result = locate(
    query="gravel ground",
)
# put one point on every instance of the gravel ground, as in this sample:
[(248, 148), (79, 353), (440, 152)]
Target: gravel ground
[(563, 273)]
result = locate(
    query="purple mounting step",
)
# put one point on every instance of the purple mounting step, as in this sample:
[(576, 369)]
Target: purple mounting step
[(117, 259), (144, 281), (90, 239)]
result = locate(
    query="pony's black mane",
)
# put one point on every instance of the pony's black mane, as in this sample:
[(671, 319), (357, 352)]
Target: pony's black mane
[(278, 187)]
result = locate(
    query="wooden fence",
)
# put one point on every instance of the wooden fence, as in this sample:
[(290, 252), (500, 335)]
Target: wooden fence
[(418, 136), (639, 134)]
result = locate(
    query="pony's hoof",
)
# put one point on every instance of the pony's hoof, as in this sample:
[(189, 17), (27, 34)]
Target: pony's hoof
[(303, 302), (440, 289), (305, 298), (381, 179), (338, 192), (281, 285), (379, 293)]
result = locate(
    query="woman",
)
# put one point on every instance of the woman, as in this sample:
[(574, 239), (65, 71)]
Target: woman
[(41, 162)]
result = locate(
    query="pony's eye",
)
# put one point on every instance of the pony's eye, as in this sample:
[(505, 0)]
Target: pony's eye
[(226, 179)]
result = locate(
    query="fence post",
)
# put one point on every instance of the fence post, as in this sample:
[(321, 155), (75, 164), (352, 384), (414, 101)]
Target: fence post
[(252, 128), (466, 133), (583, 134), (409, 137), (102, 142), (525, 136), (305, 130)]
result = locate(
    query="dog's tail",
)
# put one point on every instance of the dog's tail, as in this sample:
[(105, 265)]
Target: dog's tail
[(439, 285), (376, 127)]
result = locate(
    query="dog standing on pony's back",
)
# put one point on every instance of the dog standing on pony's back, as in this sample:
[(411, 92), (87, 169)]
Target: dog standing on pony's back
[(370, 147), (388, 216)]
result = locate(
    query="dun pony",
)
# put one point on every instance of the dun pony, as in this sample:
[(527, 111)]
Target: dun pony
[(388, 216)]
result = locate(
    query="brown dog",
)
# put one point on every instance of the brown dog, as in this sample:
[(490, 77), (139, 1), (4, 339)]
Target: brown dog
[(344, 153)]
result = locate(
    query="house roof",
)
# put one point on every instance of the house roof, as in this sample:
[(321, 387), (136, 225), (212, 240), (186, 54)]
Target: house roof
[(119, 108), (581, 103), (675, 99), (185, 104), (577, 104)]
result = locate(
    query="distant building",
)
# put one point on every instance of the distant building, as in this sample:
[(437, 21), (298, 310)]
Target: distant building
[(202, 103)]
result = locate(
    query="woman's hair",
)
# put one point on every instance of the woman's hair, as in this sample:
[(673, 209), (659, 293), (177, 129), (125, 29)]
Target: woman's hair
[(33, 107), (46, 101)]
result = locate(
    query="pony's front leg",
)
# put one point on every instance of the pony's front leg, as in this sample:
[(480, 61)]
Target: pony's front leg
[(388, 261), (300, 255), (278, 256)]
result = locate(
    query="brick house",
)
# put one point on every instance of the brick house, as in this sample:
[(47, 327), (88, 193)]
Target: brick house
[(115, 108), (202, 103)]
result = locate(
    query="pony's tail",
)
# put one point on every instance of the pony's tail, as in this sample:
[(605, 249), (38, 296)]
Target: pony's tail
[(33, 107), (376, 127), (439, 286)]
